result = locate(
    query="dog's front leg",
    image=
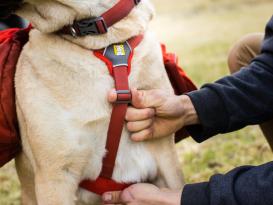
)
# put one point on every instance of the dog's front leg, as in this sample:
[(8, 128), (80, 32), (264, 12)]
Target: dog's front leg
[(50, 165), (26, 177), (58, 188)]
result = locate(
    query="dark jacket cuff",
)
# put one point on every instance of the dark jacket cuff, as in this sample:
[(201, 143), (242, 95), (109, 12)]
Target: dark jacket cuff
[(211, 112), (195, 194)]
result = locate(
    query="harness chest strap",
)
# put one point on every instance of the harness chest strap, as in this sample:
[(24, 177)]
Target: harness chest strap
[(118, 60)]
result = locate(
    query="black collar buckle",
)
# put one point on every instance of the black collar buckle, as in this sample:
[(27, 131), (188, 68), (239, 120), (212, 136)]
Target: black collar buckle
[(92, 26)]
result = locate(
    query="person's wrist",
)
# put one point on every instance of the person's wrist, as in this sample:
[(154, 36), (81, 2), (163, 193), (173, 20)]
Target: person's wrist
[(171, 197), (190, 116)]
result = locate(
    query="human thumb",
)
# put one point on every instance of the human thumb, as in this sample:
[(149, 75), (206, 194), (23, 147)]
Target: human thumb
[(112, 96), (140, 98), (147, 98)]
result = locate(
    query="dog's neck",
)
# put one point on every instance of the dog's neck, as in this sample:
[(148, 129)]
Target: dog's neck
[(50, 16)]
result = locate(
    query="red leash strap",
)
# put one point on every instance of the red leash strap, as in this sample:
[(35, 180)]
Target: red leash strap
[(118, 60), (100, 25)]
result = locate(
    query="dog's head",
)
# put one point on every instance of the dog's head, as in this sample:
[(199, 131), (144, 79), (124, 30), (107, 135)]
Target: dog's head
[(51, 15)]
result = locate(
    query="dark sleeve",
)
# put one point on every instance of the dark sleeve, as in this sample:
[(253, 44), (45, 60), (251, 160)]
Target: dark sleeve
[(244, 98), (246, 185)]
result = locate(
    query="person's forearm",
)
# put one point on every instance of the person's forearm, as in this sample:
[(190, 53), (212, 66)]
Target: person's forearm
[(242, 185), (233, 102)]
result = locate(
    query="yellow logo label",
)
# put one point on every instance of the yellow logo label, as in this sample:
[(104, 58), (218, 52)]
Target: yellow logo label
[(119, 50)]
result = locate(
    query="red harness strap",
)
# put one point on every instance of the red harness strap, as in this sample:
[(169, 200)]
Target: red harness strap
[(120, 10), (100, 25), (120, 70)]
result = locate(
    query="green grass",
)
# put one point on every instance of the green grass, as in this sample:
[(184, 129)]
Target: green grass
[(9, 186), (201, 33), (221, 154)]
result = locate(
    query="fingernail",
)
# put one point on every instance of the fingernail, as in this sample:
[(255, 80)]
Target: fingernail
[(107, 197)]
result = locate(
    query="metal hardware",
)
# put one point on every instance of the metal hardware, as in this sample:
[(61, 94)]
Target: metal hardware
[(73, 31), (123, 92)]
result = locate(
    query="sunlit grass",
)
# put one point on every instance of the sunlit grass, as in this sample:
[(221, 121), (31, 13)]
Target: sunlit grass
[(9, 186), (224, 152)]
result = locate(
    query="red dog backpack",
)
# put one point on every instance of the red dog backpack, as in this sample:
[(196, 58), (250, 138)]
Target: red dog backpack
[(11, 44)]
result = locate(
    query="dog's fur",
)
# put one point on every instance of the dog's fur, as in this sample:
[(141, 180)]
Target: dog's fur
[(61, 96)]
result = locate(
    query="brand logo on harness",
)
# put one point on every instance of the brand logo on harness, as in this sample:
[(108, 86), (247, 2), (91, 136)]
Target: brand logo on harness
[(119, 50), (118, 54)]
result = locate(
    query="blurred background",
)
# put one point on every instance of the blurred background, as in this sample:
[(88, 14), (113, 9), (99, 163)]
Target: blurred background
[(201, 32)]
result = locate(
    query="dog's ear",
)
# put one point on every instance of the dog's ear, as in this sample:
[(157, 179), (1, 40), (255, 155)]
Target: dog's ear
[(7, 7)]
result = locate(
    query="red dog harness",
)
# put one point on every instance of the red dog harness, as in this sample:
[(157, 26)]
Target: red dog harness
[(118, 58)]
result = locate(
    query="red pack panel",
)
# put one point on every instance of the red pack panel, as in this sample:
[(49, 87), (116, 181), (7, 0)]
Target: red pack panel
[(11, 43), (180, 81), (7, 35)]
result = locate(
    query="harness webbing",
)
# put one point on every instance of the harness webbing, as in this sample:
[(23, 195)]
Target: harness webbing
[(100, 25), (120, 75), (118, 60)]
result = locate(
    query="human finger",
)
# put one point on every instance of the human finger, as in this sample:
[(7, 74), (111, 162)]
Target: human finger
[(134, 114), (143, 135), (147, 98), (139, 125), (112, 96)]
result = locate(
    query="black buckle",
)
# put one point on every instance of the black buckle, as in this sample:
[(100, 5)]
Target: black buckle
[(89, 27), (124, 101), (137, 2)]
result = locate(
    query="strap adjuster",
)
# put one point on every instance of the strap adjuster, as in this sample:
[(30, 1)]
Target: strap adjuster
[(124, 97), (93, 26)]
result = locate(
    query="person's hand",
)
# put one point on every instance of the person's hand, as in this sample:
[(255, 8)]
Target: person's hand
[(156, 113), (143, 194)]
